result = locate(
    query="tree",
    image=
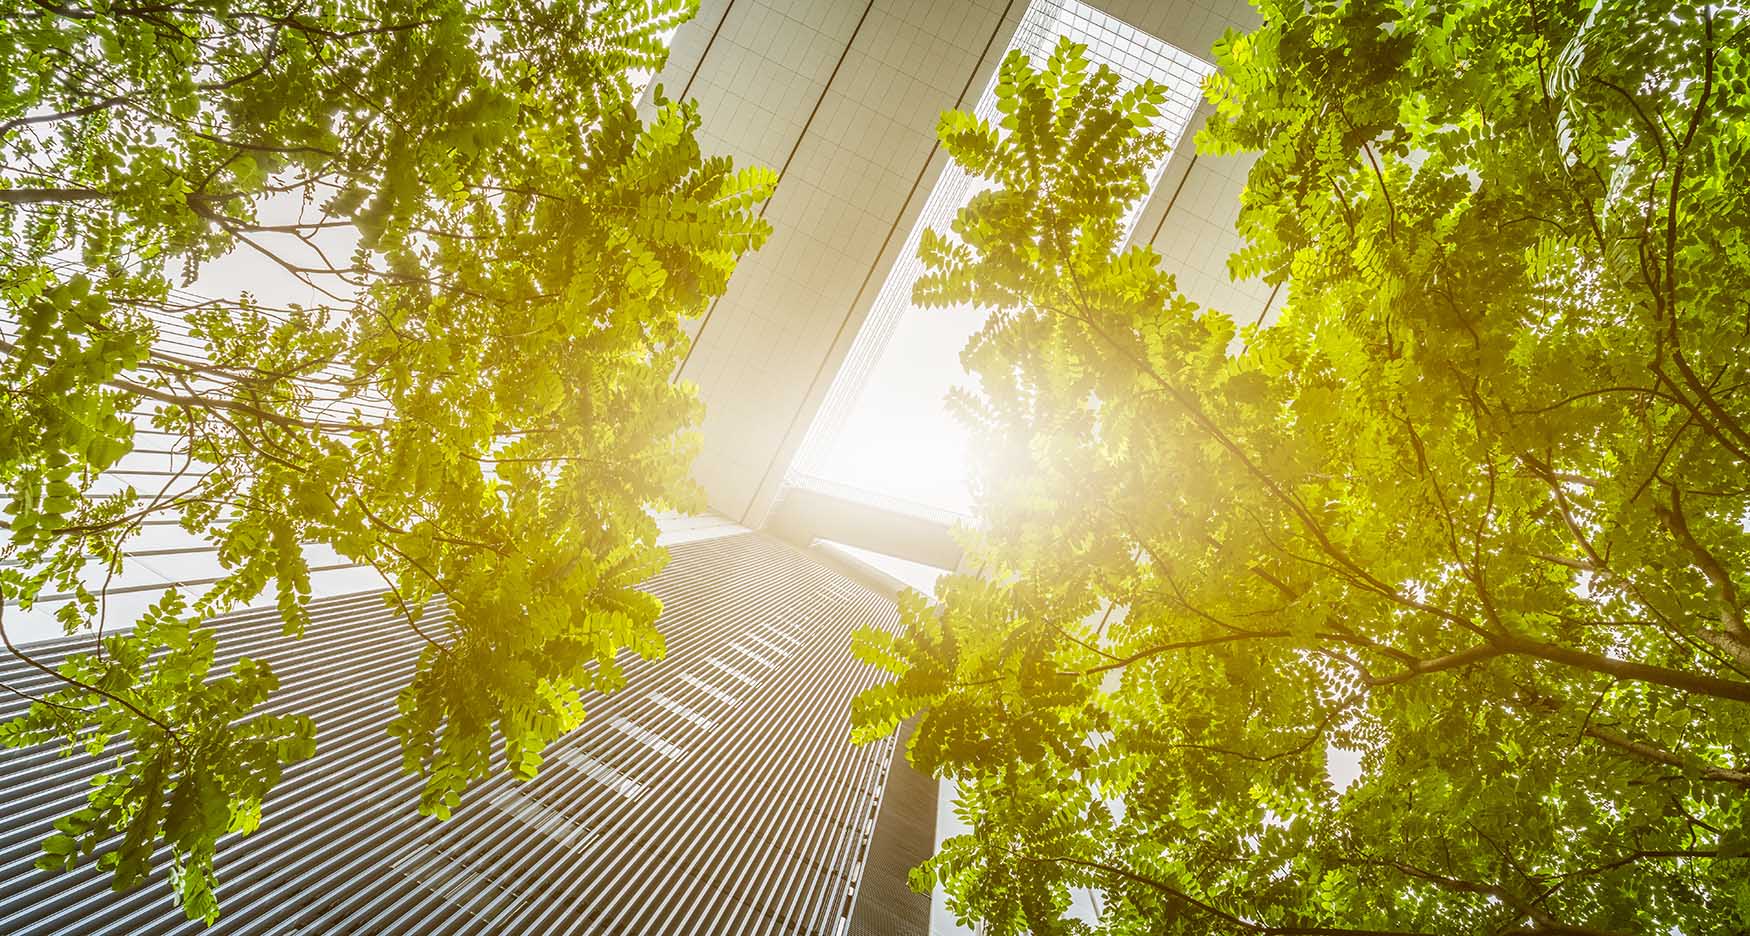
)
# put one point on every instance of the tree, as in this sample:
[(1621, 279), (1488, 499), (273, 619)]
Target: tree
[(1473, 506), (478, 405)]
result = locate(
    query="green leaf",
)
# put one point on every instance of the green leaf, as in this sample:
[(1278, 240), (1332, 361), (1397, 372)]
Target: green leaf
[(476, 403)]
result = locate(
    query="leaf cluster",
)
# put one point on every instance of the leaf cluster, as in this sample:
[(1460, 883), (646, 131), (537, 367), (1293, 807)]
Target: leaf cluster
[(1470, 511), (501, 254)]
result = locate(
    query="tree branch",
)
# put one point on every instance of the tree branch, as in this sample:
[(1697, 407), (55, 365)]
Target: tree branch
[(37, 196), (1658, 755), (1211, 910)]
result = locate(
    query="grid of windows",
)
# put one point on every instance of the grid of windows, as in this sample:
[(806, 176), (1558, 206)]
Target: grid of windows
[(602, 773), (1135, 55)]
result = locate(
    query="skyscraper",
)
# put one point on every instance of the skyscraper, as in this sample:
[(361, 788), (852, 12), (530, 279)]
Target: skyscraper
[(718, 791), (715, 793), (842, 98)]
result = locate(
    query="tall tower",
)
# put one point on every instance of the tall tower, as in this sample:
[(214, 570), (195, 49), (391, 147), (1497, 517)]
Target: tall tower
[(841, 97), (716, 793)]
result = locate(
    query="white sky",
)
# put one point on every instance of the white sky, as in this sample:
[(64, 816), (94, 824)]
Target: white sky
[(897, 438)]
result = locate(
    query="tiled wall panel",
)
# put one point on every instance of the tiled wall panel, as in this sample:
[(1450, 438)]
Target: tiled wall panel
[(1196, 236), (868, 81)]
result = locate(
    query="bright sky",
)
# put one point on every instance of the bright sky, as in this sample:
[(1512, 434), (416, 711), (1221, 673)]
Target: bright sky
[(893, 435), (899, 439)]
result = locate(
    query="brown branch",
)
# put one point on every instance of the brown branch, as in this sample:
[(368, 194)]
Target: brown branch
[(1658, 755), (37, 196), (220, 403), (406, 613), (1652, 130), (1318, 732), (1578, 564), (34, 663), (1726, 422), (1599, 391), (1545, 923), (92, 108), (1391, 210), (1121, 662), (1624, 669), (1475, 654), (1631, 858), (1736, 650), (1210, 909), (1731, 606)]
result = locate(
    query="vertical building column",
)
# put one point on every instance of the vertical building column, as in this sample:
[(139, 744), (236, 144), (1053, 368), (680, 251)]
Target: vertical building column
[(843, 97), (1190, 217)]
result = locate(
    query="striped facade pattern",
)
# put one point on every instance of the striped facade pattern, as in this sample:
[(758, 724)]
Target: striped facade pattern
[(716, 793)]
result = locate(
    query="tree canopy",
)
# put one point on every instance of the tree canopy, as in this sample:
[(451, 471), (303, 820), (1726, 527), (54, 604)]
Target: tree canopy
[(1473, 507), (477, 402)]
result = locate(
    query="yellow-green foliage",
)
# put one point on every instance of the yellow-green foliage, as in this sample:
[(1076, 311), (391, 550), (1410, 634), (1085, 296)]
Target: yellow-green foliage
[(1474, 506), (480, 409)]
